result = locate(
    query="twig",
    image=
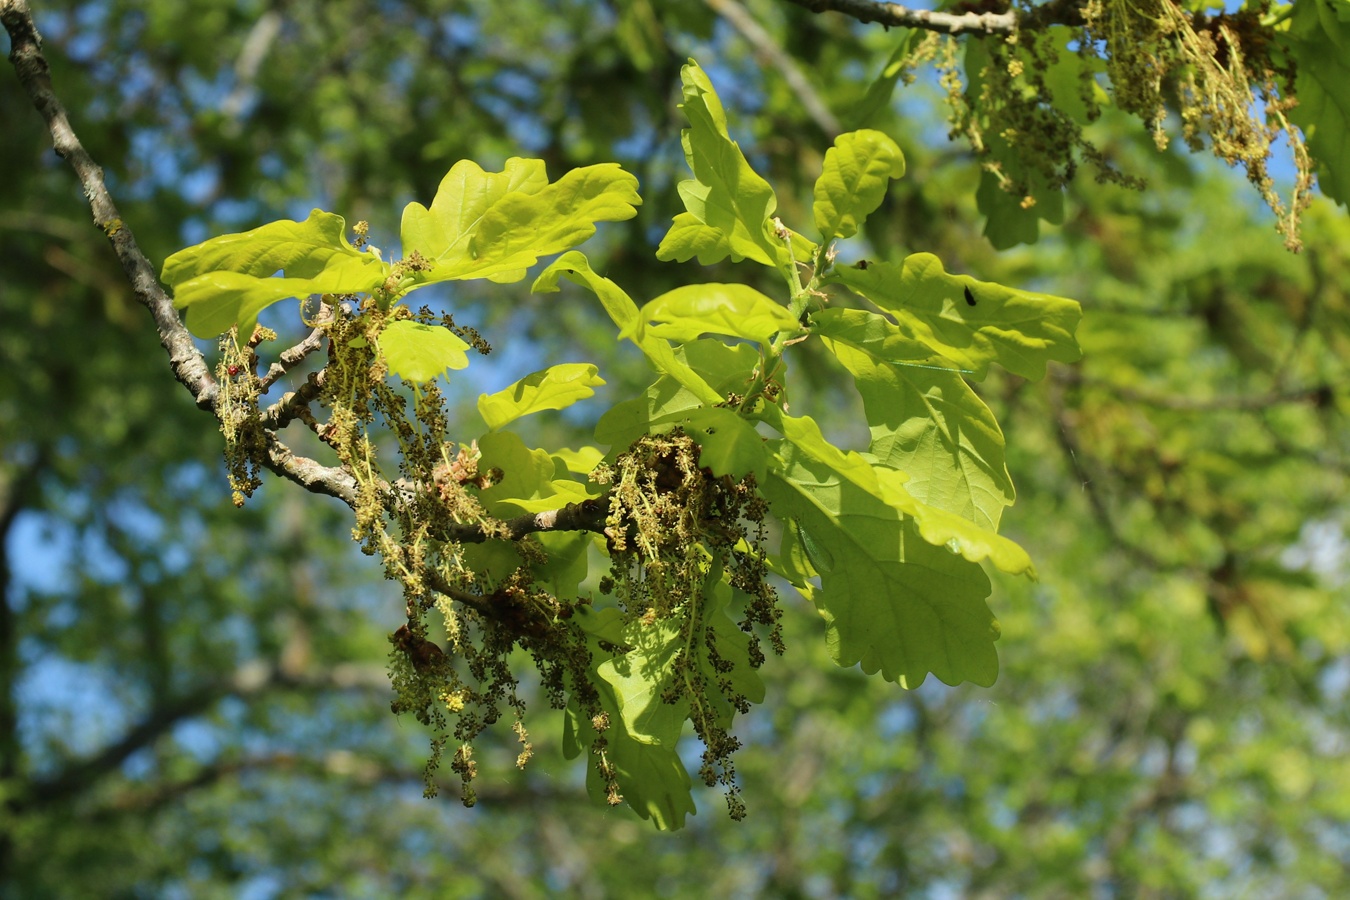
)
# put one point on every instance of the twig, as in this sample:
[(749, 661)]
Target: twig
[(893, 15), (292, 357), (189, 366), (250, 679), (294, 404), (770, 54)]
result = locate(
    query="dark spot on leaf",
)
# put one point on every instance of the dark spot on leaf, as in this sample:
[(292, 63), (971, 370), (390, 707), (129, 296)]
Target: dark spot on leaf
[(862, 264), (970, 298)]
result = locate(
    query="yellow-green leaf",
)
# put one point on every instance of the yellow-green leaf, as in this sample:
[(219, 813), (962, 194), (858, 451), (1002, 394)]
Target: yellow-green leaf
[(556, 387)]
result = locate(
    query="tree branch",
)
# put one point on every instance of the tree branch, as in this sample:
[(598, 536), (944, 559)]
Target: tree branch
[(249, 680), (893, 15), (189, 366), (772, 55), (336, 765), (292, 357)]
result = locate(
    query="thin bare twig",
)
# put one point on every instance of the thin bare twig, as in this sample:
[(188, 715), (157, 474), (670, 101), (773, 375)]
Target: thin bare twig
[(189, 366), (292, 357), (770, 54), (251, 679), (893, 15)]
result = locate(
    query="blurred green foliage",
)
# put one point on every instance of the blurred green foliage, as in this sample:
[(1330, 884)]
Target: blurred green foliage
[(192, 699)]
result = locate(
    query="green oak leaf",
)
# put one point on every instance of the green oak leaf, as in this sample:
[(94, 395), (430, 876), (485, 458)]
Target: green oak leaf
[(556, 387), (689, 238), (1011, 220), (1065, 79), (970, 323), (725, 368), (228, 281), (417, 352), (924, 421), (576, 268), (663, 402), (725, 193), (1318, 42), (442, 232), (639, 677), (497, 225), (581, 461), (733, 648), (937, 526), (566, 562), (737, 310), (891, 600), (530, 481), (729, 445), (857, 171), (651, 776), (652, 779)]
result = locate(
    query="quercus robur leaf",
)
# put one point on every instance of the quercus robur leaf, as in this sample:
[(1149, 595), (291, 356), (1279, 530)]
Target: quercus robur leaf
[(970, 323), (580, 461), (497, 224), (737, 310), (229, 279), (575, 268), (639, 677), (556, 387), (1319, 42), (857, 171), (879, 92), (925, 420), (418, 352), (726, 369), (937, 526), (729, 445), (652, 778), (689, 238), (891, 601), (530, 480), (725, 194), (1012, 219), (650, 774)]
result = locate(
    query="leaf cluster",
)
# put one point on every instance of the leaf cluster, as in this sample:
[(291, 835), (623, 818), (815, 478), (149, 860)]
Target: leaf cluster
[(690, 478)]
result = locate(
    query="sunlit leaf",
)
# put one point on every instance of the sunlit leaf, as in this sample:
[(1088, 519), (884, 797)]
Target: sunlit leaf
[(556, 387), (726, 369), (228, 280), (689, 238), (417, 352), (937, 526), (737, 310), (576, 268), (924, 420), (725, 193), (970, 323), (891, 600), (497, 225), (857, 171), (580, 461)]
